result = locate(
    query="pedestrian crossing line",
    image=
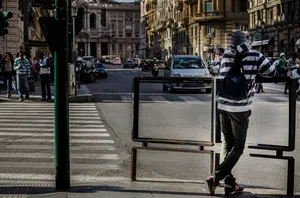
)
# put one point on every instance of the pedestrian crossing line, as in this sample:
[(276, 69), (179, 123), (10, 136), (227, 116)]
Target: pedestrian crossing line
[(77, 141), (51, 156), (50, 129), (86, 123), (190, 99), (30, 125), (51, 147), (126, 98), (52, 135), (43, 165), (48, 108), (48, 117), (159, 99), (281, 98)]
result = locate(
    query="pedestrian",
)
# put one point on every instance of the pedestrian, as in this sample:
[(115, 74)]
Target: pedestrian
[(45, 77), (7, 69), (239, 68), (292, 62), (22, 68)]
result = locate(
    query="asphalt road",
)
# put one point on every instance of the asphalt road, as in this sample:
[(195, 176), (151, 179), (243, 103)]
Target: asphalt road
[(187, 116)]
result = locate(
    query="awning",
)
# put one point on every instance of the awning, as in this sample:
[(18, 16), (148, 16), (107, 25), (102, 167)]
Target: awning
[(259, 43)]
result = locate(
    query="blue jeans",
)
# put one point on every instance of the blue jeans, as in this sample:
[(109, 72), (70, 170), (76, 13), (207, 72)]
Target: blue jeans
[(22, 84), (8, 79), (45, 82)]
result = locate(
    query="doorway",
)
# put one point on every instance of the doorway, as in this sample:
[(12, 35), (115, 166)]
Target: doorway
[(104, 49)]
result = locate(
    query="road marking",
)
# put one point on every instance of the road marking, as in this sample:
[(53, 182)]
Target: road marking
[(49, 117), (49, 129), (275, 89), (282, 98), (191, 100), (159, 99), (40, 165), (78, 141), (52, 135), (51, 156), (51, 147), (126, 98), (50, 125)]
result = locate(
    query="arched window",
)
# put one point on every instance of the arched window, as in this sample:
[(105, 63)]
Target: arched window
[(103, 18), (93, 21), (80, 14)]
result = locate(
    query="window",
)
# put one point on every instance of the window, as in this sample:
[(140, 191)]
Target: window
[(271, 17), (209, 30), (128, 34), (92, 21), (113, 46), (208, 6), (243, 5)]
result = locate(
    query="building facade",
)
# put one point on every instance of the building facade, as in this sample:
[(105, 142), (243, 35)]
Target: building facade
[(275, 26), (110, 28), (195, 27)]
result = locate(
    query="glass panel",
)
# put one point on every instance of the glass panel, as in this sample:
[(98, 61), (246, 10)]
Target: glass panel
[(208, 6)]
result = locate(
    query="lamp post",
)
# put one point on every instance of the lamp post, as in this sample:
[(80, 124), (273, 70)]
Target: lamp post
[(262, 25)]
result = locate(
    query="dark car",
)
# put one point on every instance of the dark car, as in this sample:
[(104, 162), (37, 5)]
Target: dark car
[(100, 71), (129, 63), (148, 65)]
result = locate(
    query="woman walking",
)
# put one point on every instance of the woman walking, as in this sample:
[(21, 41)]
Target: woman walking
[(7, 69)]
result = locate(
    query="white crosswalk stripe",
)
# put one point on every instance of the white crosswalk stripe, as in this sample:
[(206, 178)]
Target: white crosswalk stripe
[(27, 143)]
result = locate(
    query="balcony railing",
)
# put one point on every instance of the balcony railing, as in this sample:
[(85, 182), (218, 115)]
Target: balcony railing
[(208, 16), (237, 16)]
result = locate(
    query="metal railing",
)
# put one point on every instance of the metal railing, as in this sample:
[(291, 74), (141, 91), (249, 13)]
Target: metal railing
[(145, 140), (215, 127)]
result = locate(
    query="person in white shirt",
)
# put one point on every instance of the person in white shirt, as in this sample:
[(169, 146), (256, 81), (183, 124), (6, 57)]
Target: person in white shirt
[(45, 77)]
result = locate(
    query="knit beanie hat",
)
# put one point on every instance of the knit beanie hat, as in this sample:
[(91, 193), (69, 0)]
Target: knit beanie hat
[(237, 38)]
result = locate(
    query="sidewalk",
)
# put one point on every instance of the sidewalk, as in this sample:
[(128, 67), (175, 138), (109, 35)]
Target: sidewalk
[(123, 188), (83, 95)]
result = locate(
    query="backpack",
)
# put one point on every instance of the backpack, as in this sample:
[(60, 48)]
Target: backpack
[(234, 85)]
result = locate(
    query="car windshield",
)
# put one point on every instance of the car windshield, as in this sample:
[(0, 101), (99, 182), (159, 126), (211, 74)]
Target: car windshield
[(188, 63), (99, 65)]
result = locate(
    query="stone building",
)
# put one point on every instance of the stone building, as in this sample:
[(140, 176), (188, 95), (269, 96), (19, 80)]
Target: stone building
[(195, 26), (274, 26), (110, 28)]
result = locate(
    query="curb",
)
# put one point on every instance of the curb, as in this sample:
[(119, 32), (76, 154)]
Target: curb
[(81, 98)]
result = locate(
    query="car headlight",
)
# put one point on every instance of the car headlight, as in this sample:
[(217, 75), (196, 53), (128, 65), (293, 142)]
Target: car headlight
[(176, 75)]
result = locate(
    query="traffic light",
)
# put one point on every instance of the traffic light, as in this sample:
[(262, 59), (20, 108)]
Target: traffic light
[(3, 23)]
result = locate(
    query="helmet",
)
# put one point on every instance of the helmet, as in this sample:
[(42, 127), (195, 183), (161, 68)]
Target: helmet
[(282, 54)]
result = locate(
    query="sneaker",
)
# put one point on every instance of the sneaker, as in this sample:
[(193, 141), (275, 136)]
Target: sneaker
[(212, 184), (21, 99), (231, 189), (8, 95)]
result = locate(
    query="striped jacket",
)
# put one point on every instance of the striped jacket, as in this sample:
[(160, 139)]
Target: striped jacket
[(25, 66), (253, 63)]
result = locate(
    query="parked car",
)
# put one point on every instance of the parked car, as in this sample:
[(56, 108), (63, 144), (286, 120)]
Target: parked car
[(129, 63), (116, 61), (100, 71), (186, 66)]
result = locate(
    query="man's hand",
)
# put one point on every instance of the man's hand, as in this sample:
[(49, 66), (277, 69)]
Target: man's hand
[(19, 67)]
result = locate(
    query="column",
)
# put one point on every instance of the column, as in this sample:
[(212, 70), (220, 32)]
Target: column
[(99, 50), (110, 48), (124, 50), (218, 5), (117, 49), (86, 48), (99, 19), (89, 48), (88, 21)]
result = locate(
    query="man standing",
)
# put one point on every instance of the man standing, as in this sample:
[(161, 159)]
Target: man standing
[(235, 111), (45, 77), (22, 67), (7, 65)]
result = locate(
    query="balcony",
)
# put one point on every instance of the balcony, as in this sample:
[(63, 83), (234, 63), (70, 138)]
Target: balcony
[(208, 16), (237, 16)]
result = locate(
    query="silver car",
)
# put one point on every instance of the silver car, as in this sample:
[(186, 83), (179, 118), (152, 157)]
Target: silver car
[(186, 66)]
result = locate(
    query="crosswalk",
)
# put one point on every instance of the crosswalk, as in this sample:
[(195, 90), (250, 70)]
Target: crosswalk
[(27, 143), (180, 98)]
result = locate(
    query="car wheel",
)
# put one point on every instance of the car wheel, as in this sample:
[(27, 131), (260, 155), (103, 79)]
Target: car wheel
[(208, 90)]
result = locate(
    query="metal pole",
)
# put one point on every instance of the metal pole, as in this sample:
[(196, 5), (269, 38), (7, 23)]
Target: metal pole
[(61, 72)]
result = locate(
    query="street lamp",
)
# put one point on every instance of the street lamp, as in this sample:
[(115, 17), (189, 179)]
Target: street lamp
[(262, 25)]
